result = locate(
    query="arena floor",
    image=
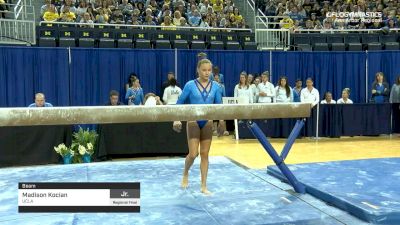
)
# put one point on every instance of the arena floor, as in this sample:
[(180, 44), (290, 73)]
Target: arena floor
[(243, 192)]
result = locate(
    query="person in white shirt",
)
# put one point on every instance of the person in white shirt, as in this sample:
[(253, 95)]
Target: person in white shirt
[(266, 90), (309, 94), (171, 93), (254, 88), (243, 89), (284, 93), (345, 97), (328, 99)]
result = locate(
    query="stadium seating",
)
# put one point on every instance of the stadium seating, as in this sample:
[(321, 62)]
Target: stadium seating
[(345, 42), (145, 39)]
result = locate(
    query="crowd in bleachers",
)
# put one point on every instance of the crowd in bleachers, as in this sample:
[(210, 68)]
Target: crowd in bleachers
[(189, 13), (317, 14)]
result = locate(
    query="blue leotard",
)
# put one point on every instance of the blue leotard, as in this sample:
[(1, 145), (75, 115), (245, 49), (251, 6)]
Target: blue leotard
[(195, 93)]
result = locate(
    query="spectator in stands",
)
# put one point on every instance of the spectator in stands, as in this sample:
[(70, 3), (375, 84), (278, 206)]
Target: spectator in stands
[(118, 18), (228, 4), (40, 101), (114, 99), (243, 90), (218, 7), (309, 25), (266, 90), (45, 8), (195, 19), (86, 19), (126, 7), (327, 27), (328, 98), (135, 13), (149, 21), (177, 18), (168, 23), (140, 7), (380, 89), (284, 93), (181, 9), (70, 5), (172, 92), (392, 24), (286, 23), (82, 9), (183, 22), (90, 10), (164, 12), (206, 21), (152, 100), (51, 15), (102, 16), (3, 8), (309, 94), (191, 10), (67, 15), (395, 93), (294, 14), (345, 97), (131, 80), (135, 95), (236, 14), (203, 7), (217, 72), (112, 4)]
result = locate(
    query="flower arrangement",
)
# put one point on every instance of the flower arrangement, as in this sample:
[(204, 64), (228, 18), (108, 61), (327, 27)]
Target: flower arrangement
[(82, 147), (64, 150)]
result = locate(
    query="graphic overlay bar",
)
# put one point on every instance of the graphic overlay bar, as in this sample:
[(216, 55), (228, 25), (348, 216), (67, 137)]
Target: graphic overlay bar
[(78, 197)]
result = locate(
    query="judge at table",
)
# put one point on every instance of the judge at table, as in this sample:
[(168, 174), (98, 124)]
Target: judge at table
[(40, 101)]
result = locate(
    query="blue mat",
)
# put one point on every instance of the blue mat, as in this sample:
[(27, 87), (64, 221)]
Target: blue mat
[(368, 189), (239, 197)]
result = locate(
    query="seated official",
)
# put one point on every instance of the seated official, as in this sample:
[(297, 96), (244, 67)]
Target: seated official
[(345, 97), (114, 99), (152, 100), (328, 99), (40, 101)]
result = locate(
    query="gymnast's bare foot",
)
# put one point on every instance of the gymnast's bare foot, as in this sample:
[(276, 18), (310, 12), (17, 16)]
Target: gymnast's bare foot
[(205, 191), (185, 181)]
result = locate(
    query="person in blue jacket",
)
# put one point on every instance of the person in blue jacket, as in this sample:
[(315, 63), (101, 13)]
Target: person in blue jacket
[(134, 95), (380, 89), (199, 133)]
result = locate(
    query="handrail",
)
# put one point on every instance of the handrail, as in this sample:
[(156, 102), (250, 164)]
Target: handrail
[(146, 26), (17, 5), (343, 30)]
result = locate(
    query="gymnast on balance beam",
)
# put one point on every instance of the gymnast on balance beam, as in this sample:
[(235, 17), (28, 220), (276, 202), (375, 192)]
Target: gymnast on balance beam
[(199, 133)]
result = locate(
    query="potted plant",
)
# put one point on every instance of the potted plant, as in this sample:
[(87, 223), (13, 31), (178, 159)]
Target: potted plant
[(65, 152), (84, 143)]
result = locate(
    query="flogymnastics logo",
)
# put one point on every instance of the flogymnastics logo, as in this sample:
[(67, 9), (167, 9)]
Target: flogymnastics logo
[(354, 17)]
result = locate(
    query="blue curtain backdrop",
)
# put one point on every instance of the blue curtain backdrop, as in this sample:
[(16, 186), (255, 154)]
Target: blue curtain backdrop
[(387, 62), (26, 71), (331, 71), (92, 73)]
